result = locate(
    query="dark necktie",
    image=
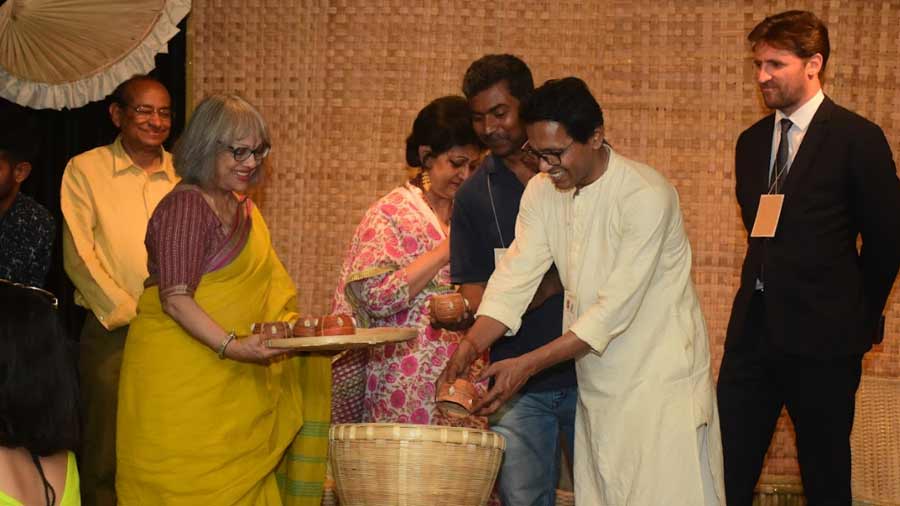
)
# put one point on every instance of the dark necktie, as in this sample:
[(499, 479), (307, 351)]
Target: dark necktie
[(776, 177), (780, 169)]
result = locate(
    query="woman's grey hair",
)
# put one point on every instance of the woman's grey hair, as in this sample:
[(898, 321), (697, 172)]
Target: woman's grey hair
[(217, 122)]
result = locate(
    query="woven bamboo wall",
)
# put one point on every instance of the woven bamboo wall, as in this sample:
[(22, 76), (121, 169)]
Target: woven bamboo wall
[(340, 82)]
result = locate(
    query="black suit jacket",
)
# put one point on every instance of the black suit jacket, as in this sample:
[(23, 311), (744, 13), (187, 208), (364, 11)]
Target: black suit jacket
[(823, 297)]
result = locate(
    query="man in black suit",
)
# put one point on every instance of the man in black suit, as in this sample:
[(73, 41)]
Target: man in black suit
[(810, 303)]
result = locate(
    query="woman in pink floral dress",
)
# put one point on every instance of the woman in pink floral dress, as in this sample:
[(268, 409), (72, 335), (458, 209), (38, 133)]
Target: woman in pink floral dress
[(398, 258)]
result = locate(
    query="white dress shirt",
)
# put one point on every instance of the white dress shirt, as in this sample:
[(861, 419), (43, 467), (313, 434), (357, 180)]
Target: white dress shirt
[(801, 119)]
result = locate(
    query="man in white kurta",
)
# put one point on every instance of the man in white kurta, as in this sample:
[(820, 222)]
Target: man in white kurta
[(647, 430)]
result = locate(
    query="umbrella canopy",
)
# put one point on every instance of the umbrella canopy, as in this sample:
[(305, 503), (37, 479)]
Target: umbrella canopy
[(66, 53)]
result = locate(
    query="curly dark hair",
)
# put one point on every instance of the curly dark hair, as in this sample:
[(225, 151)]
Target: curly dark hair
[(494, 68), (442, 124), (38, 379), (567, 101)]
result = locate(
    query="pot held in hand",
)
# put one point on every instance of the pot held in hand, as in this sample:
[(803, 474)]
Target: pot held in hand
[(458, 398), (448, 308)]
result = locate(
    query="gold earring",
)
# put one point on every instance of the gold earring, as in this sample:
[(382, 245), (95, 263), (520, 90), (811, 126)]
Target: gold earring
[(426, 181)]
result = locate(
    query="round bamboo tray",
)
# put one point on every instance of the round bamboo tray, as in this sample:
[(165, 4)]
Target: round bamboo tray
[(412, 465), (361, 339)]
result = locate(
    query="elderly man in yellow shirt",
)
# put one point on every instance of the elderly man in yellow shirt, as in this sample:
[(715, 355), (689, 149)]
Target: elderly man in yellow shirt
[(107, 197)]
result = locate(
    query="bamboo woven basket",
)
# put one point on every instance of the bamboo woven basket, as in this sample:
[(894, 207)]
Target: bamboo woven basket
[(876, 442), (565, 498), (779, 491), (412, 465)]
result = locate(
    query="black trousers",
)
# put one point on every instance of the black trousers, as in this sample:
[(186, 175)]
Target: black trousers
[(755, 382)]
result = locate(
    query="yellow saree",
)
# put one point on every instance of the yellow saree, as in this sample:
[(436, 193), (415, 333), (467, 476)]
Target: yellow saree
[(196, 430)]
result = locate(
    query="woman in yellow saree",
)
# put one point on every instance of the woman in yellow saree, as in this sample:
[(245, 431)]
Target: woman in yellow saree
[(205, 417)]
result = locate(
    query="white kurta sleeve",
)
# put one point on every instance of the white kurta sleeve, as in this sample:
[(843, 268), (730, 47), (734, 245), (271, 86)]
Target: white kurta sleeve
[(645, 218), (517, 276)]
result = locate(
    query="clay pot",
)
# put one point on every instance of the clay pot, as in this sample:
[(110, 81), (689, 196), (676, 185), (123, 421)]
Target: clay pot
[(307, 326), (456, 400), (337, 325), (448, 307), (272, 330)]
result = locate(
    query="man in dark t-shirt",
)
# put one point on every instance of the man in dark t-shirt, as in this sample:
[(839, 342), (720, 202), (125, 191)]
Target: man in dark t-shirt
[(483, 225)]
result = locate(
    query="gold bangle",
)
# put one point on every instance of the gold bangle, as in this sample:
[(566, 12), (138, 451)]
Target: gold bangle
[(225, 343)]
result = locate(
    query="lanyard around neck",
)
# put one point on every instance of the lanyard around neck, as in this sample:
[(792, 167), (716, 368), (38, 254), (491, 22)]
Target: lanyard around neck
[(494, 210)]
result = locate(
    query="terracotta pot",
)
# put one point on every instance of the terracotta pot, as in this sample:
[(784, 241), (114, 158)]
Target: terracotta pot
[(337, 325), (307, 326), (448, 307), (272, 330), (456, 400)]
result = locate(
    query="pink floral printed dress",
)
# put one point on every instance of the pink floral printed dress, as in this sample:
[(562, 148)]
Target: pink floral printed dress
[(399, 378)]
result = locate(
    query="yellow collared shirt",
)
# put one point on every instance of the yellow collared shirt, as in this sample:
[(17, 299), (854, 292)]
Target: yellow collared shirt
[(106, 203)]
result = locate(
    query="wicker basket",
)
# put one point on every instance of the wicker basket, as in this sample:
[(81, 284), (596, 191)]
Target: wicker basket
[(565, 498), (774, 490), (876, 442), (411, 465)]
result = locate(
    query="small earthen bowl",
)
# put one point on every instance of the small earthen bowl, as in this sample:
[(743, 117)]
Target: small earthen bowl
[(337, 325), (307, 326), (456, 400), (272, 330), (448, 307)]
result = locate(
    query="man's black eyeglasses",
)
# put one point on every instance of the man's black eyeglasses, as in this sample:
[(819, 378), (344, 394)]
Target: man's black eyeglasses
[(553, 159)]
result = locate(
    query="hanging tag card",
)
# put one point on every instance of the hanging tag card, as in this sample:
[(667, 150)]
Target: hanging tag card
[(767, 215)]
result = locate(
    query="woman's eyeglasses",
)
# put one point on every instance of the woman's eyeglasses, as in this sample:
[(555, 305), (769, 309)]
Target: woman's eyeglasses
[(54, 302), (241, 153)]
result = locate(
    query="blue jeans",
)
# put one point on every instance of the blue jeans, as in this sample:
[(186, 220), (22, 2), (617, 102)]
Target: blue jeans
[(532, 424)]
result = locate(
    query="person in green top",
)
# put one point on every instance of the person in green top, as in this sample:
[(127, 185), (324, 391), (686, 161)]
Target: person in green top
[(38, 402)]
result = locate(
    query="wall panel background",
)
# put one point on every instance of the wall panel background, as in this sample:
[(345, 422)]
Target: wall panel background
[(340, 82)]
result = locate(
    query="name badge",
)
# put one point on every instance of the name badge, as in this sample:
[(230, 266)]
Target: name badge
[(570, 310), (767, 215), (498, 255)]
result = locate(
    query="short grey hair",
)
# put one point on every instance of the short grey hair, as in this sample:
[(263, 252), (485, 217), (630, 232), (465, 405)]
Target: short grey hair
[(217, 122)]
